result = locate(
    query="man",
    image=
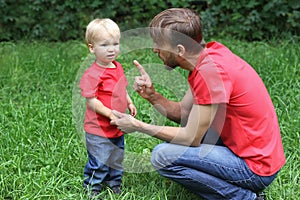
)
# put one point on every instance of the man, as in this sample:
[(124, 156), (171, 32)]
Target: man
[(227, 96)]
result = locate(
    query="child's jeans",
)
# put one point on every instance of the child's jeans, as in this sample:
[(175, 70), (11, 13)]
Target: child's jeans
[(105, 161)]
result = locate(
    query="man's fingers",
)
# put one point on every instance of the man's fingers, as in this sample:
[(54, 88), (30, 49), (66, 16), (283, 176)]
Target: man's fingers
[(117, 114), (145, 77), (140, 67), (140, 81)]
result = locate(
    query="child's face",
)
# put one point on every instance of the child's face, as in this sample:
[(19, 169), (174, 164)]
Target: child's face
[(106, 49)]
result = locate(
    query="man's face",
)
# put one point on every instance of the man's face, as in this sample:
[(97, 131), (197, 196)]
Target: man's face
[(165, 53)]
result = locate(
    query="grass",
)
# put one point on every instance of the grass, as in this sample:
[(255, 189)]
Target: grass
[(43, 153)]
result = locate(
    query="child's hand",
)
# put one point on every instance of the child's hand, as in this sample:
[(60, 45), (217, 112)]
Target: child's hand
[(132, 109)]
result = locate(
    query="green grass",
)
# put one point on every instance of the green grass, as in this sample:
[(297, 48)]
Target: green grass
[(43, 153)]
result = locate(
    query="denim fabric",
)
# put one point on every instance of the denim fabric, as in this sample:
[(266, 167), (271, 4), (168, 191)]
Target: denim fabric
[(210, 171), (105, 161)]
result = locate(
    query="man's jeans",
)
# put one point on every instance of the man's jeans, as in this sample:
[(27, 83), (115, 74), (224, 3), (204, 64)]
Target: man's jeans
[(105, 161), (210, 171)]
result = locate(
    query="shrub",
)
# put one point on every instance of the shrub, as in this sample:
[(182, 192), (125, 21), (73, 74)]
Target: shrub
[(58, 20), (253, 19)]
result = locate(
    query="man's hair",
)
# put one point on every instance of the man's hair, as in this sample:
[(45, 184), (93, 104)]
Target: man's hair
[(177, 26), (97, 26)]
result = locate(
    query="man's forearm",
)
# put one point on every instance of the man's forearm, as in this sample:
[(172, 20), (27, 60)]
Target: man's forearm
[(175, 135), (170, 109)]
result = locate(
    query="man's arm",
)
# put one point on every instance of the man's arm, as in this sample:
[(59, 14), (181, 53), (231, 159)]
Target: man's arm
[(175, 111), (199, 120)]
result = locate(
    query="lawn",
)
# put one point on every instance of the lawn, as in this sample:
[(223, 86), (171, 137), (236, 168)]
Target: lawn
[(41, 142)]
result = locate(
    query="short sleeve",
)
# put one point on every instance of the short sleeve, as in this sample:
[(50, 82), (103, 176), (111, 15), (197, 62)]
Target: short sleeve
[(89, 85), (210, 85)]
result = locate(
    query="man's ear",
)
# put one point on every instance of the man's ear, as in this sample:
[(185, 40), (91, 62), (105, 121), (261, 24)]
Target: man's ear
[(180, 50), (91, 48)]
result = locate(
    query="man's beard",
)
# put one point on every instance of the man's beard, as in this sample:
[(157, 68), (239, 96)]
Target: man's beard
[(170, 67), (170, 63)]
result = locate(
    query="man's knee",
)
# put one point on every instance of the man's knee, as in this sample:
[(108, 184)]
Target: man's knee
[(158, 160)]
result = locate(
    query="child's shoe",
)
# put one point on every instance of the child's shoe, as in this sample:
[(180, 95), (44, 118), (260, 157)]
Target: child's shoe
[(116, 189), (93, 194)]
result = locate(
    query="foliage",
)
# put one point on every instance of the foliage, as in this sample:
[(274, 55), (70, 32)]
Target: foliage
[(58, 20), (253, 19), (45, 19)]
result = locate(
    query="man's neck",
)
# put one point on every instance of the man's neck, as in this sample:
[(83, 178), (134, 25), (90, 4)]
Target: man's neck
[(189, 61)]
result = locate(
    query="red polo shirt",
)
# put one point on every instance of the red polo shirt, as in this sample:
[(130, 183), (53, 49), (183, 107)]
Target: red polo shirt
[(246, 117)]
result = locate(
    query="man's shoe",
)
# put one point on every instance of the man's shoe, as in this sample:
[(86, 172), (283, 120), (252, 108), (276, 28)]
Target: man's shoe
[(260, 196), (116, 189)]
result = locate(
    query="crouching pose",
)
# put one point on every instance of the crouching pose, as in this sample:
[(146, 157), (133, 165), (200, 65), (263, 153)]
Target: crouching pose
[(228, 145)]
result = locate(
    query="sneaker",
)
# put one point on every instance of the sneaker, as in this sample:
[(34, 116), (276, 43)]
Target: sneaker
[(94, 194), (116, 189), (260, 196)]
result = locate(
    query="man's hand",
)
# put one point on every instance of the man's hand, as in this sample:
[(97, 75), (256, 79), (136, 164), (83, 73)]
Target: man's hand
[(143, 83), (125, 122)]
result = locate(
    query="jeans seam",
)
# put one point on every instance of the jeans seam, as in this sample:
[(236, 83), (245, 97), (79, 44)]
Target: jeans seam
[(244, 180), (200, 183), (221, 166)]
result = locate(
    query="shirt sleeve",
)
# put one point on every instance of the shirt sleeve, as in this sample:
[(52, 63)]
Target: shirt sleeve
[(211, 86), (89, 85)]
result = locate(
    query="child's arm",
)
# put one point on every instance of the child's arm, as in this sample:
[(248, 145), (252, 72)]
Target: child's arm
[(131, 106), (99, 108)]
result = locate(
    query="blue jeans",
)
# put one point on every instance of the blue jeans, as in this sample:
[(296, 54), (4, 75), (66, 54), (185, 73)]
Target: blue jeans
[(105, 161), (210, 171)]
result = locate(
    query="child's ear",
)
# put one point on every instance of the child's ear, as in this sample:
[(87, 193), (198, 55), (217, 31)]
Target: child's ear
[(91, 48)]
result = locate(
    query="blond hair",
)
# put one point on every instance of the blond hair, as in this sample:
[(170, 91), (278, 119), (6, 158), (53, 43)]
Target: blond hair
[(97, 26)]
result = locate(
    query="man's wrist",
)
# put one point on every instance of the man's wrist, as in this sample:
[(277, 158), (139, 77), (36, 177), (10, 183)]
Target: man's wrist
[(153, 98), (139, 125)]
